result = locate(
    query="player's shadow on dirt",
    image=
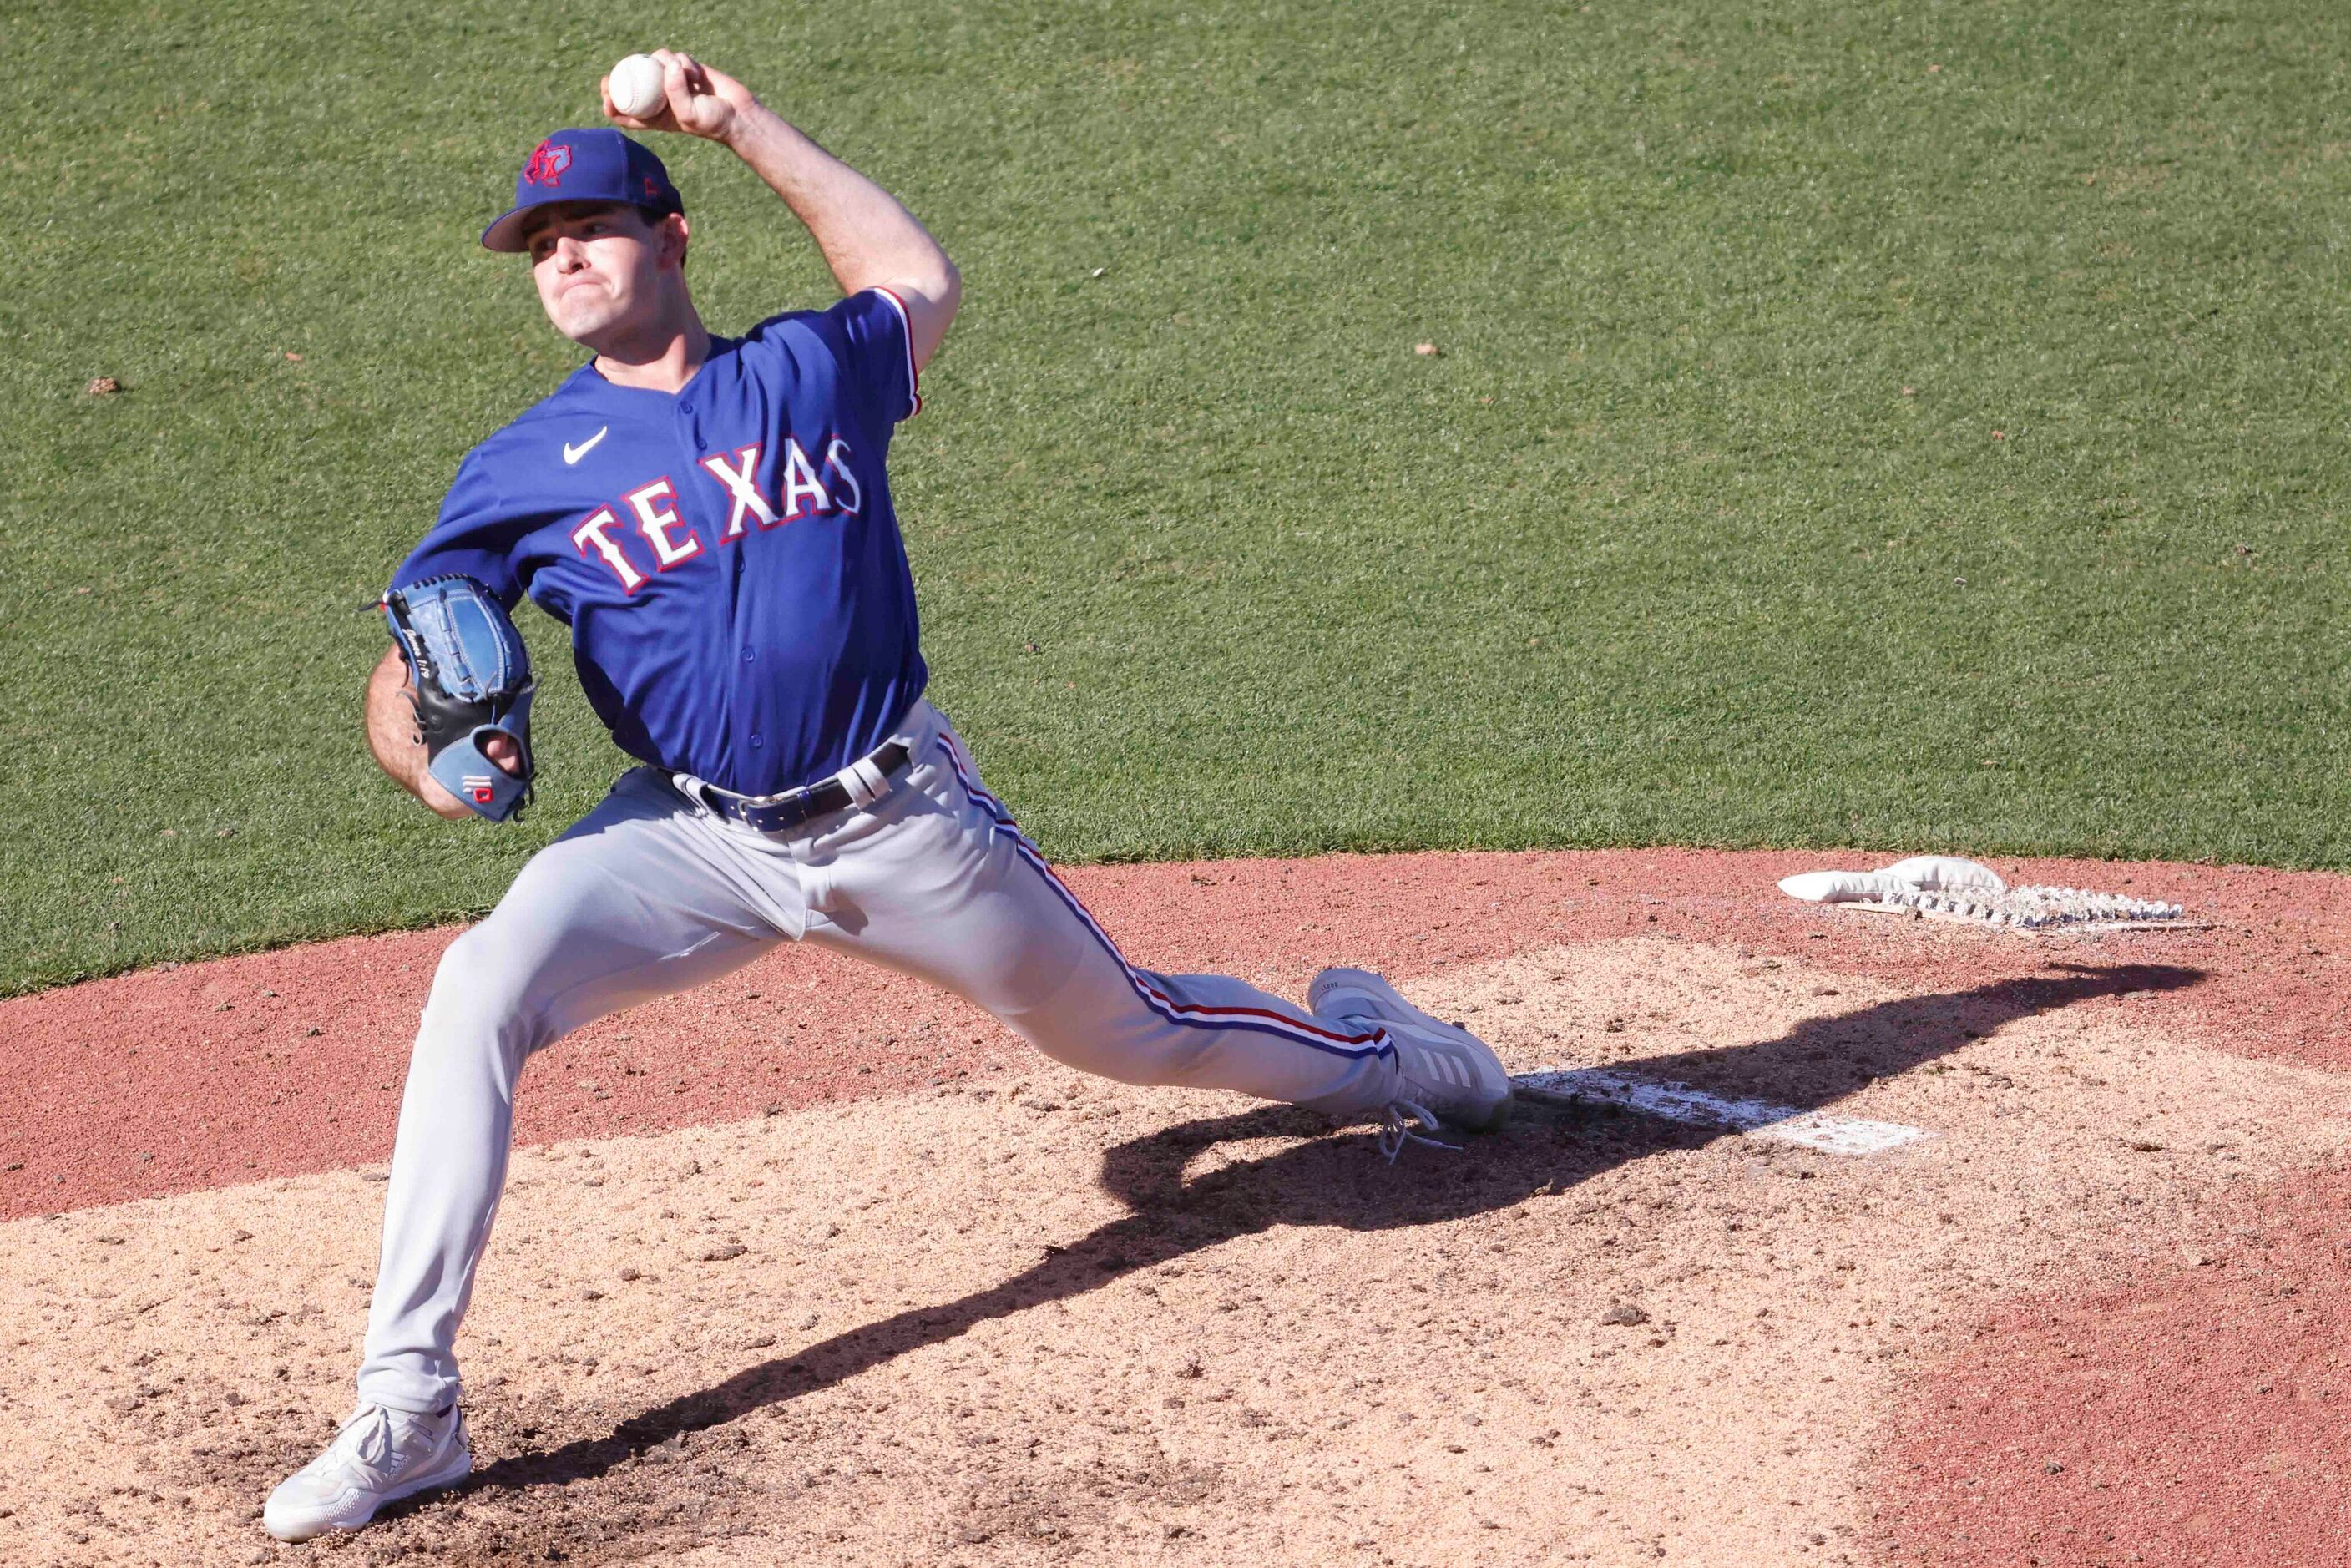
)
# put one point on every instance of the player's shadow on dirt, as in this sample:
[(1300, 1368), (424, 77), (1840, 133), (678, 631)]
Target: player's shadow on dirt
[(1340, 1181)]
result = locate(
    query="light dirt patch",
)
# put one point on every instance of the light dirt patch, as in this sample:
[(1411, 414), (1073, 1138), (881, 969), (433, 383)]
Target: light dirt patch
[(1036, 1316)]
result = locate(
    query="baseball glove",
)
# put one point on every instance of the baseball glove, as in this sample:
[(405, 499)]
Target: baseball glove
[(472, 678)]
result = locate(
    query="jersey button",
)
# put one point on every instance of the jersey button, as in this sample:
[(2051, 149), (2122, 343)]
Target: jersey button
[(757, 743), (746, 655)]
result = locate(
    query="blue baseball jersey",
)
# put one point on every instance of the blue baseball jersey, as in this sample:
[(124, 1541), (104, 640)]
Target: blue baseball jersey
[(727, 556)]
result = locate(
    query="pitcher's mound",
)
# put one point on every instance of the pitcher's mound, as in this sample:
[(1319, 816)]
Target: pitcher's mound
[(1034, 1316)]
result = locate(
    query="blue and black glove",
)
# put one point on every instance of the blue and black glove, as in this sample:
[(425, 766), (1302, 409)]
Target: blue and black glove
[(472, 679)]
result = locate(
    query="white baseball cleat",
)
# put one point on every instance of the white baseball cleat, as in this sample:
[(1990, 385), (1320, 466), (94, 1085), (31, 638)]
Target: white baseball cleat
[(379, 1457), (1445, 1075)]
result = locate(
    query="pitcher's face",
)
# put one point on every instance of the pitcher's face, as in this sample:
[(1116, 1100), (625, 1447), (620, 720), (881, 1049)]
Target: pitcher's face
[(599, 265)]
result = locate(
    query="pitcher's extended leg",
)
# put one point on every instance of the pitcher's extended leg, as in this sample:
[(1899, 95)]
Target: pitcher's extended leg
[(940, 884), (626, 906)]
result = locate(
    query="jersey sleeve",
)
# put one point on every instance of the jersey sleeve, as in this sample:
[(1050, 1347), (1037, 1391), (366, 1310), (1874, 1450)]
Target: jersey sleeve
[(878, 354), (869, 343), (475, 535)]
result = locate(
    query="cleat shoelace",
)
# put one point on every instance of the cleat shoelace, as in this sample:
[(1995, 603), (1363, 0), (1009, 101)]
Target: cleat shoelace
[(1400, 1129), (364, 1444)]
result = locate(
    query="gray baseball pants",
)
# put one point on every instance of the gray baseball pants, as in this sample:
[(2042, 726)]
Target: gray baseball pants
[(650, 893)]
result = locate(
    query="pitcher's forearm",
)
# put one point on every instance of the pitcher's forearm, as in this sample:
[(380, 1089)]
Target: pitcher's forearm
[(391, 737)]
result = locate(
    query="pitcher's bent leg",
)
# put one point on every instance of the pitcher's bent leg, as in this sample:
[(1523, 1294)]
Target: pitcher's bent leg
[(942, 886), (621, 909)]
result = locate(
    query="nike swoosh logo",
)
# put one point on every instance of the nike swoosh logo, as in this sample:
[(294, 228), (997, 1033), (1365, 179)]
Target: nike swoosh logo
[(574, 453)]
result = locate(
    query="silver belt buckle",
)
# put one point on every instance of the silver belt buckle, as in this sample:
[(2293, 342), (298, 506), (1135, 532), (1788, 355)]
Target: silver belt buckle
[(767, 802)]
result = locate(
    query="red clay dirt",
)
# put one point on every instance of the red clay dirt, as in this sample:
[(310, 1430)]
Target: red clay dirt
[(2195, 1414), (235, 1070), (2191, 1402)]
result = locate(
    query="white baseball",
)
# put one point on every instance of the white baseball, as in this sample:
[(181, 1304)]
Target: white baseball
[(637, 88)]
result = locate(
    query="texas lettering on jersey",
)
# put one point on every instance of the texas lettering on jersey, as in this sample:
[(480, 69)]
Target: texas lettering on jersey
[(651, 509), (727, 556)]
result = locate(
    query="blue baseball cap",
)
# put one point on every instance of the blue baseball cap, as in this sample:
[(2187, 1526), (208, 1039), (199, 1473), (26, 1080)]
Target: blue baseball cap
[(596, 165)]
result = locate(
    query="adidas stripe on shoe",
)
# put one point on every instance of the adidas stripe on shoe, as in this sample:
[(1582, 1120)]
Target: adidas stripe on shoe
[(1444, 1072)]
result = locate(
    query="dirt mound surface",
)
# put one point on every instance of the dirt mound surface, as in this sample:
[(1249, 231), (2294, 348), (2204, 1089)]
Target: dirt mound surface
[(174, 1079), (1018, 1314)]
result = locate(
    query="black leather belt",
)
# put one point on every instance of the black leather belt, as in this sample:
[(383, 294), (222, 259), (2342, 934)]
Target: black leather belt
[(778, 813)]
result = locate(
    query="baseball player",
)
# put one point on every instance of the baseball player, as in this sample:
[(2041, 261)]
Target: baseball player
[(712, 518)]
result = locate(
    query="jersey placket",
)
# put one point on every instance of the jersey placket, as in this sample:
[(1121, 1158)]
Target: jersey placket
[(742, 714)]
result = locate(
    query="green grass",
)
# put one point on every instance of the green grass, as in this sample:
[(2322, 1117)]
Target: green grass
[(1759, 333)]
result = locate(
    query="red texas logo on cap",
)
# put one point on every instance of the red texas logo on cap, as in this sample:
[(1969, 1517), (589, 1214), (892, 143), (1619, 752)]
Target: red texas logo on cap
[(548, 162)]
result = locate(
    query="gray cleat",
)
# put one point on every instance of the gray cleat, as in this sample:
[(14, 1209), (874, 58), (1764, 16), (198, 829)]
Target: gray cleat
[(379, 1457), (1445, 1075)]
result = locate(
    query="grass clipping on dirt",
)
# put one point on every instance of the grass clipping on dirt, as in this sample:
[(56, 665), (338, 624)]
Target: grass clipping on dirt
[(1040, 1310), (1842, 427)]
